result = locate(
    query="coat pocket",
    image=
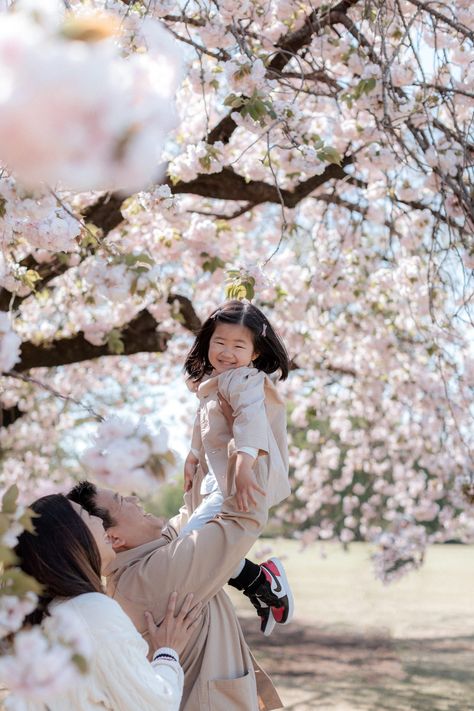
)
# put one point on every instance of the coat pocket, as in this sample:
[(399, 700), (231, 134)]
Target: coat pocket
[(233, 694)]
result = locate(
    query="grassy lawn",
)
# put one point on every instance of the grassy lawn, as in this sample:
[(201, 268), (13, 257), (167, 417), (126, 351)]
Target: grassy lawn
[(357, 645)]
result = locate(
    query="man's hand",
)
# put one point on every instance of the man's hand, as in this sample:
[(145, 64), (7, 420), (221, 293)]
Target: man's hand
[(245, 483), (189, 470)]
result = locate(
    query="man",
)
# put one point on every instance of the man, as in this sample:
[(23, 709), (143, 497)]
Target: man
[(151, 563)]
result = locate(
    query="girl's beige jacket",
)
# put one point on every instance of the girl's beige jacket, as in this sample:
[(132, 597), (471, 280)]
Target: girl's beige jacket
[(260, 422)]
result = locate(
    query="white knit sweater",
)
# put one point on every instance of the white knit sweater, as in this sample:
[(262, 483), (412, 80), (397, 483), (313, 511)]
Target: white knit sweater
[(121, 678)]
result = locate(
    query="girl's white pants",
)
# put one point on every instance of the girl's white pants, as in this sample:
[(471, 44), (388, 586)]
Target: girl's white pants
[(209, 507)]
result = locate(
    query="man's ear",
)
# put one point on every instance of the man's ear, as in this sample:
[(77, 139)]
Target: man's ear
[(117, 542)]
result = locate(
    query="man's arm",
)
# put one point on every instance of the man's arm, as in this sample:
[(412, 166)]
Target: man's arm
[(201, 562), (192, 499)]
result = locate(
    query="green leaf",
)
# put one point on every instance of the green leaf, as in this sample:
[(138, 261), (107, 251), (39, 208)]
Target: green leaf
[(330, 155), (234, 101), (174, 179), (240, 286), (249, 286), (29, 278), (132, 260), (4, 523), (205, 162), (280, 293), (91, 236), (9, 499), (236, 291), (370, 85), (7, 556), (254, 112), (27, 520), (213, 263), (16, 582), (115, 343), (80, 662)]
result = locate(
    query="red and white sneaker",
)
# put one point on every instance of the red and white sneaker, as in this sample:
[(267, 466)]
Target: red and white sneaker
[(267, 621), (274, 597)]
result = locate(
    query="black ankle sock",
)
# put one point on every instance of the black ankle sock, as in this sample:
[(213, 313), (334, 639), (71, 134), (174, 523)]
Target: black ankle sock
[(247, 576)]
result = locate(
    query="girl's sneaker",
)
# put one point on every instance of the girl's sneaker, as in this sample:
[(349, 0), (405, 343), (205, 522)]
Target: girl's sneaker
[(273, 598)]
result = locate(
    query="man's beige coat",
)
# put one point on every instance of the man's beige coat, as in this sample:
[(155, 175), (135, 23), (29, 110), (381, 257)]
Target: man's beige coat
[(218, 668), (260, 422)]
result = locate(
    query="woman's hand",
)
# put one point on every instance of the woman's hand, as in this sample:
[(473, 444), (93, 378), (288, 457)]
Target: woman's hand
[(190, 470), (176, 629)]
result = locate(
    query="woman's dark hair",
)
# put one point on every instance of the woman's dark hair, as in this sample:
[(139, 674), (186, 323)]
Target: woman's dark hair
[(272, 353), (61, 553)]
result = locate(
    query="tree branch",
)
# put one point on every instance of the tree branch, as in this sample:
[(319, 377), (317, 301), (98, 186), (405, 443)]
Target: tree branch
[(8, 415), (442, 18), (187, 315), (228, 185), (287, 47), (140, 335)]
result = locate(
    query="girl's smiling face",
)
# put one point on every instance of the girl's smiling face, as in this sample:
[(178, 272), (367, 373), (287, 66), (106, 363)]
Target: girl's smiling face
[(231, 346)]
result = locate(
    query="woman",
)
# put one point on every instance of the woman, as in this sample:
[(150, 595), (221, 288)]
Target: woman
[(66, 554)]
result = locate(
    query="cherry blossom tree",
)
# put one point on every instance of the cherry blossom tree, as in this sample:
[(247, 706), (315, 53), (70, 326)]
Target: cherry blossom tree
[(322, 166)]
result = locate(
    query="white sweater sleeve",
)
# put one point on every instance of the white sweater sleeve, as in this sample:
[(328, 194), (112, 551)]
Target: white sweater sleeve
[(120, 666)]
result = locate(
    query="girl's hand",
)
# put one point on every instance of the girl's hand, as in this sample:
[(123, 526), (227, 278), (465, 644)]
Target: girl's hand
[(190, 466), (245, 483), (176, 629)]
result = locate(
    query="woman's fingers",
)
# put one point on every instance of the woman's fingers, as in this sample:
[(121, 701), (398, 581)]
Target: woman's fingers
[(150, 623), (171, 604), (194, 623), (186, 606), (195, 612)]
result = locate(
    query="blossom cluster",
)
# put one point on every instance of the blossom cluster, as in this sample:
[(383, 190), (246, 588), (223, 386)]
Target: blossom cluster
[(399, 550), (73, 110), (37, 218), (46, 661), (128, 456), (10, 343)]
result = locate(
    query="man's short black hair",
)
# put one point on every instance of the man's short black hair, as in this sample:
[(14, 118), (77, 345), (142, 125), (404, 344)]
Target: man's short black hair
[(84, 494)]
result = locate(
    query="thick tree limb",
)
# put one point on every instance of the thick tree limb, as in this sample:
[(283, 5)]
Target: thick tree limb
[(228, 185), (140, 335), (187, 315), (47, 271), (105, 213)]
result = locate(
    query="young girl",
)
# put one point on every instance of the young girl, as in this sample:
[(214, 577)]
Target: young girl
[(232, 357)]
